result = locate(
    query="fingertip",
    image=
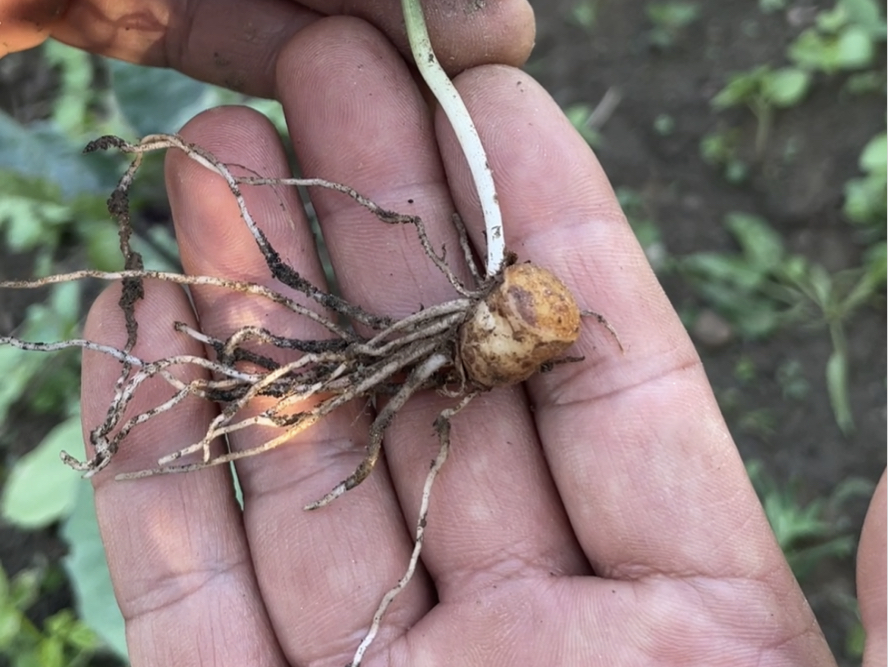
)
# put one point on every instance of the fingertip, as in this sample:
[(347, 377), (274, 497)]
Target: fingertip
[(464, 34), (25, 24), (481, 33), (240, 131), (334, 47), (235, 134)]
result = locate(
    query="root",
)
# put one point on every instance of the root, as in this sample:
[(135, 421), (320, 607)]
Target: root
[(418, 378), (602, 320), (442, 427)]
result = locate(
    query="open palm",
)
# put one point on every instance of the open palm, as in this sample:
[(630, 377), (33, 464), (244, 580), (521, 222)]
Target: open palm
[(597, 515)]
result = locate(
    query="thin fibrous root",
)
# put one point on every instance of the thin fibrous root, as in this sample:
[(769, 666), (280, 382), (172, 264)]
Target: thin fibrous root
[(280, 270), (417, 378), (190, 280), (607, 325), (442, 427)]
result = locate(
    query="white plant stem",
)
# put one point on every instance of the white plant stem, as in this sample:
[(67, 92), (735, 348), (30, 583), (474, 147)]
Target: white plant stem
[(466, 133)]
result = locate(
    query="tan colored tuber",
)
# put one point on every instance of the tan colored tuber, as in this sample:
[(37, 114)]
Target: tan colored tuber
[(527, 320)]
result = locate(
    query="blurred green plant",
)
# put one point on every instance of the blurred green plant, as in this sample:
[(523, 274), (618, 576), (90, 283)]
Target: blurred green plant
[(790, 376), (669, 20), (762, 287), (62, 641), (845, 37), (40, 492), (580, 116), (855, 637), (865, 197), (759, 422), (762, 90), (864, 83), (56, 318), (835, 297), (741, 286), (720, 148), (584, 13), (808, 533), (769, 6), (664, 125)]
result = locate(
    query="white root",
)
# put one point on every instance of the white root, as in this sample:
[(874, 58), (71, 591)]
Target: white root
[(464, 128), (442, 426)]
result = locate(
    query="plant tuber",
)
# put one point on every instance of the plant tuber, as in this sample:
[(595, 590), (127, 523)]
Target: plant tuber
[(528, 319)]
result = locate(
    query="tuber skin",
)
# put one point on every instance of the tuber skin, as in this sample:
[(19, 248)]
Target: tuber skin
[(527, 320)]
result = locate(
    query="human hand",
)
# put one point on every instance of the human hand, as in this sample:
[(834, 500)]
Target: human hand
[(235, 43), (597, 515)]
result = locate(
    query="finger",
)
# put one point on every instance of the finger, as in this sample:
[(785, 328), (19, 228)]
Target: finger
[(871, 575), (643, 461), (635, 440), (319, 586), (464, 34), (389, 154), (235, 44), (176, 547), (26, 23), (230, 43)]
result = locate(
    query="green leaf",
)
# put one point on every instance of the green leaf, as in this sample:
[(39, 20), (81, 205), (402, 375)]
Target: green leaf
[(41, 489), (769, 6), (87, 568), (813, 51), (41, 151), (71, 631), (672, 15), (24, 589), (832, 20), (821, 285), (837, 386), (873, 158), (71, 106), (787, 86), (10, 624), (28, 657), (158, 100), (855, 640), (866, 14), (876, 264), (855, 48), (866, 200), (741, 88), (52, 652), (579, 115), (759, 242), (17, 369)]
